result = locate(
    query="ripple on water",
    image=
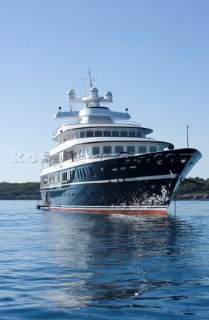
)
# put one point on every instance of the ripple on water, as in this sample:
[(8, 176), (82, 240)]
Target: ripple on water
[(56, 265)]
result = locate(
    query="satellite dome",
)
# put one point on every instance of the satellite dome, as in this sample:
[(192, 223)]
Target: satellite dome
[(94, 93), (108, 96), (71, 95)]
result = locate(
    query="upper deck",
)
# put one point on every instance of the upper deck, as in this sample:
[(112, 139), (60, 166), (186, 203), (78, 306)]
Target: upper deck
[(96, 132), (95, 120), (92, 113)]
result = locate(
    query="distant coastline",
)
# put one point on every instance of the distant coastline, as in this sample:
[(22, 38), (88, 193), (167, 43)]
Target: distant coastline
[(20, 191), (191, 189)]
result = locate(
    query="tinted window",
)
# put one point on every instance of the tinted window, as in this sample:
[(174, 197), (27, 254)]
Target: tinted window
[(107, 133), (89, 133), (118, 149), (107, 149), (115, 133), (142, 149), (64, 176), (132, 134), (124, 134), (131, 149), (95, 150), (98, 133), (153, 148)]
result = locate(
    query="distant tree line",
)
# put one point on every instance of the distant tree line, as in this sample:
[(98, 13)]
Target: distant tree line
[(20, 191), (192, 188)]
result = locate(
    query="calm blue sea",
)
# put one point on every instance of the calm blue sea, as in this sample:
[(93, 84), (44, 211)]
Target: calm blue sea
[(56, 265)]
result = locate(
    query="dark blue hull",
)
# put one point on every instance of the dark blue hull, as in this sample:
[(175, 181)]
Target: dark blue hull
[(138, 184)]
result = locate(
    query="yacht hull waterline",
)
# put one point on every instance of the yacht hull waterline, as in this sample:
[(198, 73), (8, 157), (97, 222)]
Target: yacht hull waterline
[(98, 165)]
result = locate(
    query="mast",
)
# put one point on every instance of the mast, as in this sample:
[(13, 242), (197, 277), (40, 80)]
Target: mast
[(90, 79)]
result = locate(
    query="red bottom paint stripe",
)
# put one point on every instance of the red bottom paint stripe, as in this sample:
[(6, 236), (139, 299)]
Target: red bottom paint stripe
[(113, 210)]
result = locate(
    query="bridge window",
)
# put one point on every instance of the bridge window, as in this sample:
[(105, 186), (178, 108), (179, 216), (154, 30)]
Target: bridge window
[(107, 133), (98, 133), (107, 149), (44, 180), (131, 149), (142, 149), (118, 149), (132, 133), (84, 173), (72, 174), (64, 176), (89, 133), (124, 134), (115, 133), (82, 134), (153, 148), (81, 173), (140, 134), (95, 150)]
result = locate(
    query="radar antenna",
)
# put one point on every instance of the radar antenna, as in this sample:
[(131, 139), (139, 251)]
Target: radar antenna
[(91, 79)]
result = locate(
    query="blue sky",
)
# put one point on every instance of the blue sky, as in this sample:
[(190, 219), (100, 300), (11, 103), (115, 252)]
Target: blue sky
[(153, 55)]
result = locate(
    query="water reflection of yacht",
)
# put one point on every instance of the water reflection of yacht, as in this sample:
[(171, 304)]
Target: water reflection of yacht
[(112, 258), (105, 163)]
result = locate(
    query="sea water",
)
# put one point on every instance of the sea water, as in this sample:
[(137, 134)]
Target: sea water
[(58, 265)]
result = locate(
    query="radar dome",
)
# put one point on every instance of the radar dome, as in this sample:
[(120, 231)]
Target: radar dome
[(108, 96), (94, 93), (71, 95)]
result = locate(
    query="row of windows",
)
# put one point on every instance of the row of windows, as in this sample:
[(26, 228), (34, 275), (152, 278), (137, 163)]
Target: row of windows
[(107, 133), (121, 149), (50, 179), (69, 175), (97, 150), (74, 173), (102, 150)]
